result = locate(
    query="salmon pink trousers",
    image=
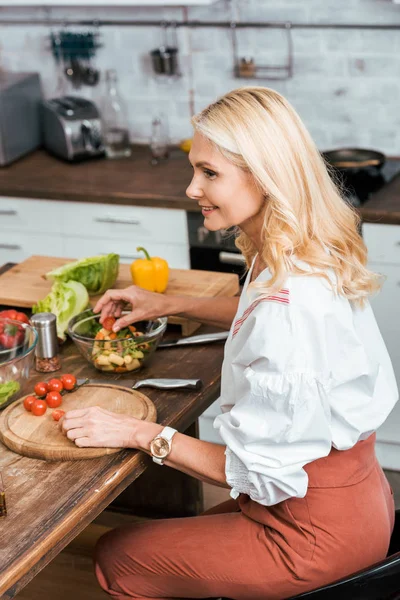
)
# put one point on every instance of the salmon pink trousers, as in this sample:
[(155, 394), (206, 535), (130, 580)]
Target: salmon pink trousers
[(246, 551)]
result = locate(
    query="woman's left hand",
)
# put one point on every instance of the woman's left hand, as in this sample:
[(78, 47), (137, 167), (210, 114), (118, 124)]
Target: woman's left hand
[(97, 427)]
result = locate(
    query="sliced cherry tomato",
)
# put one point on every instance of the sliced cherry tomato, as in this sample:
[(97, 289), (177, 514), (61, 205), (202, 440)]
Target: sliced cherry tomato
[(41, 388), (108, 323), (68, 381), (55, 385), (57, 414), (53, 399), (29, 400), (39, 407)]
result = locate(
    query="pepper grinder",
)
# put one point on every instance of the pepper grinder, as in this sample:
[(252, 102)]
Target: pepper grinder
[(47, 359)]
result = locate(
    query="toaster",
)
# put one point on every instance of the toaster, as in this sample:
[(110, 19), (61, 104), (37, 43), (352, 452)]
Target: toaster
[(72, 128)]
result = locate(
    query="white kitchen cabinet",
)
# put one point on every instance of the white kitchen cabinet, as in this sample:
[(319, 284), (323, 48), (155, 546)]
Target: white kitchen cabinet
[(134, 223), (17, 246), (19, 214), (176, 255), (383, 243), (77, 229)]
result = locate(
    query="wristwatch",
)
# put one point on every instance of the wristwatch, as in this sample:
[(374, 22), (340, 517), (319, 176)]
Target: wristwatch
[(161, 445)]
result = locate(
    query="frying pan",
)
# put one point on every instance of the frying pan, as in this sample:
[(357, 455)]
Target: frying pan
[(355, 159)]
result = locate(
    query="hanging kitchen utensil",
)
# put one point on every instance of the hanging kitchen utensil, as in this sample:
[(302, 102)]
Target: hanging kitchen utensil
[(165, 57), (76, 50), (246, 67)]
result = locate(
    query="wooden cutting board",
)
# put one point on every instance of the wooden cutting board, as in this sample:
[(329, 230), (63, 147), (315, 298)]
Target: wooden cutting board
[(23, 285), (41, 437)]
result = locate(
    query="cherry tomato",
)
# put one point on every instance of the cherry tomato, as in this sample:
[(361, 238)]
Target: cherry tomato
[(39, 407), (57, 414), (41, 388), (108, 323), (55, 385), (29, 400), (53, 399), (68, 381)]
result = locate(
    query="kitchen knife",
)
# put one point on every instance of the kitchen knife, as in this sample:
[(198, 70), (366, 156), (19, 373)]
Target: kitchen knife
[(161, 384), (205, 338), (169, 384)]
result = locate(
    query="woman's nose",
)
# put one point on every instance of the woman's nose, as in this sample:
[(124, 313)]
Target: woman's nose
[(193, 190)]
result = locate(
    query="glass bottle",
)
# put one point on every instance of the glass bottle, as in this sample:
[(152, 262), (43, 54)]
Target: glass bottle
[(159, 139), (115, 120)]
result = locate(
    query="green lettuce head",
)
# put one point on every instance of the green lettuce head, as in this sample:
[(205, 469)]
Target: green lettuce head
[(65, 300), (97, 274)]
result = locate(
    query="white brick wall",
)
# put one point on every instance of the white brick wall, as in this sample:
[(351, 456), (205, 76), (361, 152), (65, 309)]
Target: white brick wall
[(346, 84)]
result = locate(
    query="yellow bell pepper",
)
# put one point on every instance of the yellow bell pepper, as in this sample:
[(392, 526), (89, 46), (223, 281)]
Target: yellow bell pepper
[(150, 273)]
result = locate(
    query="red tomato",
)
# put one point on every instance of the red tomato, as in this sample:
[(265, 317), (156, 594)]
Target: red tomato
[(41, 388), (29, 400), (68, 381), (108, 323), (57, 414), (39, 407), (53, 399), (55, 385)]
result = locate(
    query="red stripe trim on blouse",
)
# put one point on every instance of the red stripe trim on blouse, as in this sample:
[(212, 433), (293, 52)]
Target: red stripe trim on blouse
[(282, 297)]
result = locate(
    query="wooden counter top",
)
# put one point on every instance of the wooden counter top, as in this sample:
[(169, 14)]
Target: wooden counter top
[(127, 181), (384, 205), (134, 181)]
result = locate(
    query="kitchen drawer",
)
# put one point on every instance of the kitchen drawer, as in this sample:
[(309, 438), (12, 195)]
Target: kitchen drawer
[(383, 242), (135, 223), (29, 215), (15, 247), (176, 255)]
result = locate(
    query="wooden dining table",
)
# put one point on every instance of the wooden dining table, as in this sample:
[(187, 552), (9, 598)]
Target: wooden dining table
[(50, 503)]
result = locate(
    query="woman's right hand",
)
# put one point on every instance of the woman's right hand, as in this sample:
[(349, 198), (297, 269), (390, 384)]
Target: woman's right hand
[(145, 305)]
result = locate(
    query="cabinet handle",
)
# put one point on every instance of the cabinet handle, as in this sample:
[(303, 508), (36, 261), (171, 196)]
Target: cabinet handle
[(127, 256), (8, 213), (231, 258), (114, 221), (10, 247)]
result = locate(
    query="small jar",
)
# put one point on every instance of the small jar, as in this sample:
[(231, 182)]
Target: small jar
[(47, 359)]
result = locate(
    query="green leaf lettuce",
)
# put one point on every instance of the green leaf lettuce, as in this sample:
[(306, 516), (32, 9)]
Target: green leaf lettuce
[(97, 273), (65, 300)]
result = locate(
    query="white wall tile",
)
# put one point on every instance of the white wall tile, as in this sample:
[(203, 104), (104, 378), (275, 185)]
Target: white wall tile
[(346, 83)]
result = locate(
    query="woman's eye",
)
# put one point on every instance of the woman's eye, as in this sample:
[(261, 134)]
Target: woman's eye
[(209, 174)]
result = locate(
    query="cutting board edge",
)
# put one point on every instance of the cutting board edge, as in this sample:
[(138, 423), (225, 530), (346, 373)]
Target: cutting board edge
[(12, 441)]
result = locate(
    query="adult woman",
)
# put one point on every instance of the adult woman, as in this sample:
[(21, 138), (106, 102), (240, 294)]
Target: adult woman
[(306, 381)]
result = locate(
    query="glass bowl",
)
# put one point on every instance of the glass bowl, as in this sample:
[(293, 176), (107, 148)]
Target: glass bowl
[(17, 345), (128, 352)]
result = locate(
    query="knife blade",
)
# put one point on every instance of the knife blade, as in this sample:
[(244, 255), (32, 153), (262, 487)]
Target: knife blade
[(205, 338), (161, 384)]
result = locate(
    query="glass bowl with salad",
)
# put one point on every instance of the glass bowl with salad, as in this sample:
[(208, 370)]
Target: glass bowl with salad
[(122, 352), (18, 341)]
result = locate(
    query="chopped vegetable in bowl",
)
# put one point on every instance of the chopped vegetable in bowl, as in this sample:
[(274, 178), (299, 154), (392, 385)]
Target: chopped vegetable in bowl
[(120, 352)]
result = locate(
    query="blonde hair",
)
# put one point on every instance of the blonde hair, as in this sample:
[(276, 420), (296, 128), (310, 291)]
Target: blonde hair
[(306, 217)]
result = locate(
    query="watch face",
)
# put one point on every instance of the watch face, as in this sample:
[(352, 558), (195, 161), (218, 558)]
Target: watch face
[(160, 447)]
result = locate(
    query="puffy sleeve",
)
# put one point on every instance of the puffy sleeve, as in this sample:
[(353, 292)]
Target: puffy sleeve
[(280, 419)]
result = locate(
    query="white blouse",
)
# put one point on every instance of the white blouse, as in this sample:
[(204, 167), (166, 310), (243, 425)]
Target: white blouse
[(303, 371)]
